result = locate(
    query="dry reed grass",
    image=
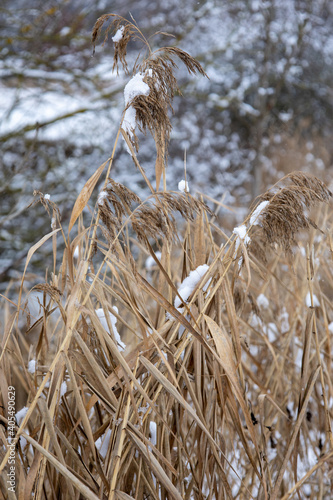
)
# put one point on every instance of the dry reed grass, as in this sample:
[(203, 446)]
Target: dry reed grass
[(229, 396)]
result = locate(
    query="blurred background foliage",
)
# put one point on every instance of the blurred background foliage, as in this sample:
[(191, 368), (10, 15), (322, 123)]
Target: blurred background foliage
[(265, 110)]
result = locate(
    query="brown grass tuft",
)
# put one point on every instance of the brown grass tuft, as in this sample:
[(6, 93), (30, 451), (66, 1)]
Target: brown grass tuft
[(158, 69), (286, 212)]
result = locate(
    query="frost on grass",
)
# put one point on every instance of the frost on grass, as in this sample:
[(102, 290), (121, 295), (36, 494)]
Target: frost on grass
[(113, 320), (32, 366), (47, 197), (188, 285), (308, 302), (183, 186)]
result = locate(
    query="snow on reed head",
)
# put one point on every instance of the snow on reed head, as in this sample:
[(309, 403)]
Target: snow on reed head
[(255, 217), (188, 285), (119, 34), (183, 186), (135, 87)]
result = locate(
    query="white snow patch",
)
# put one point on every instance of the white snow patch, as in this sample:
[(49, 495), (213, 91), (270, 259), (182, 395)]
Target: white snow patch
[(113, 320), (254, 220), (240, 231), (102, 443), (32, 366), (101, 197), (316, 302), (129, 122), (152, 430), (188, 285), (183, 186), (76, 253), (284, 321), (263, 301), (47, 196), (255, 321), (271, 331), (135, 87), (119, 34), (63, 388), (330, 327), (150, 262), (21, 414)]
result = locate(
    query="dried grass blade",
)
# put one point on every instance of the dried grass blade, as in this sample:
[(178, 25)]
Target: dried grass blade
[(32, 250), (143, 173), (95, 368), (158, 471), (232, 317), (85, 195), (81, 407), (47, 420), (310, 386), (6, 335), (178, 397), (171, 309), (82, 488), (226, 358), (159, 167), (121, 360), (123, 496), (320, 463)]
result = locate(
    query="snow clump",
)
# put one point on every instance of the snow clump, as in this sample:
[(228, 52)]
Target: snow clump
[(63, 388), (32, 366), (308, 303), (263, 301), (101, 197), (113, 320), (134, 88), (21, 414), (102, 443), (152, 430), (188, 285), (254, 221), (119, 35), (183, 186), (240, 231)]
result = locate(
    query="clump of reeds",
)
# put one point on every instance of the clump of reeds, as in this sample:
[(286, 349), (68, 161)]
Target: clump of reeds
[(287, 210), (150, 107), (185, 376)]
